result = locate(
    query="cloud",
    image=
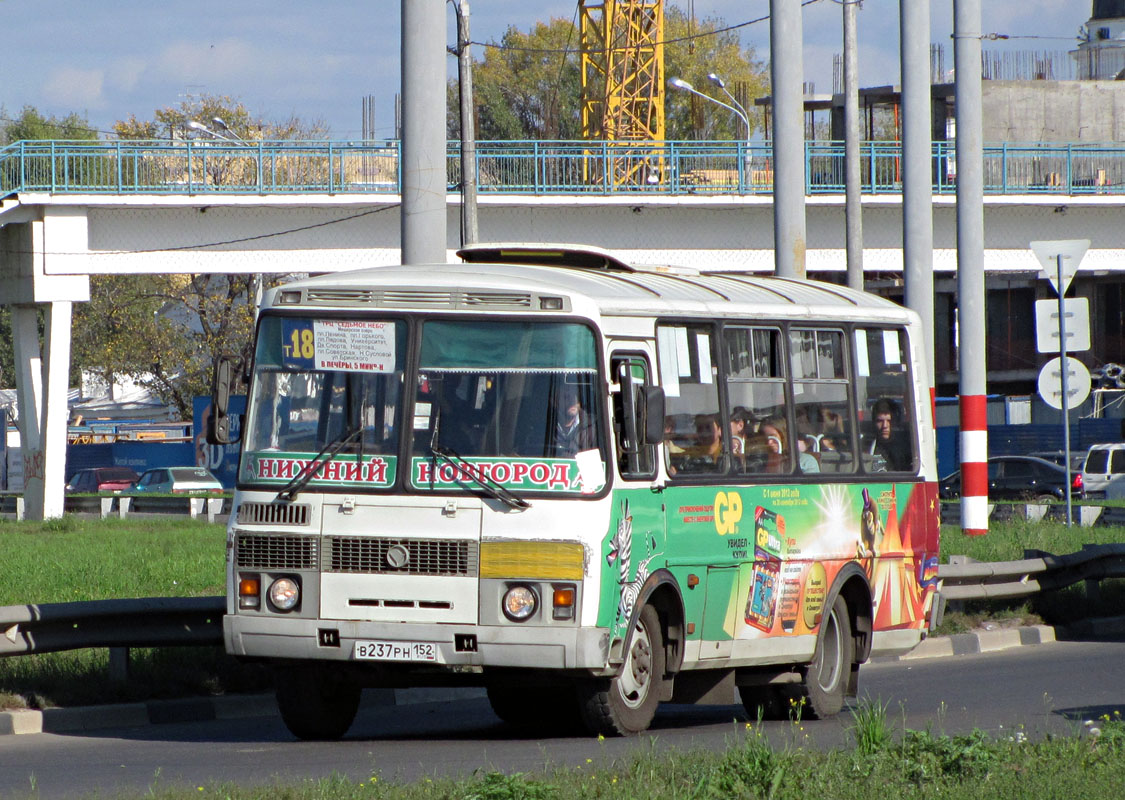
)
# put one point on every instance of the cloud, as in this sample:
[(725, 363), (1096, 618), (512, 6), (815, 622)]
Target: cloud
[(75, 88)]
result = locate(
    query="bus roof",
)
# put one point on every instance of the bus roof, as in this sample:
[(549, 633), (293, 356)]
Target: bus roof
[(513, 277)]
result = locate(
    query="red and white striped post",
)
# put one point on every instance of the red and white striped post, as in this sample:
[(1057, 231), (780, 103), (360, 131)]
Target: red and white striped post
[(974, 464)]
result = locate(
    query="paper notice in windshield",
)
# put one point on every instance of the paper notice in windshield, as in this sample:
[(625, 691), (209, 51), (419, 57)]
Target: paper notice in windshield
[(354, 345)]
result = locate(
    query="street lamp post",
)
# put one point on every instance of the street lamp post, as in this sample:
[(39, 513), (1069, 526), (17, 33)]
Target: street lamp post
[(736, 109)]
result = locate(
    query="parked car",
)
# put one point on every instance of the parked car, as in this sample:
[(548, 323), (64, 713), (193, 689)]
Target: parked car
[(101, 479), (179, 480), (1104, 467), (1077, 458), (1020, 478)]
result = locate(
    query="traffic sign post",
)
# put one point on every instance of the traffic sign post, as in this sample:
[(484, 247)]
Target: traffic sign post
[(1060, 260)]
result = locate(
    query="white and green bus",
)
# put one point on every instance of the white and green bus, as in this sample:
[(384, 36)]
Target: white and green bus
[(585, 486)]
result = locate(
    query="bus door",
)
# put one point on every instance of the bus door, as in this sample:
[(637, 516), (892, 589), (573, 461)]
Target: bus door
[(637, 543)]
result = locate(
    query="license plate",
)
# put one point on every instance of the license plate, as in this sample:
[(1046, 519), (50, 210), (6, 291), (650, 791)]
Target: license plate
[(395, 651)]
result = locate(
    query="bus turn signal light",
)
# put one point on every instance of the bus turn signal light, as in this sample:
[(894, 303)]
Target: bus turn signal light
[(563, 602), (249, 592)]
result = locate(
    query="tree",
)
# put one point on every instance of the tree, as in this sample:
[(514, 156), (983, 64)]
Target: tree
[(164, 330), (692, 59), (171, 122), (528, 86), (31, 125)]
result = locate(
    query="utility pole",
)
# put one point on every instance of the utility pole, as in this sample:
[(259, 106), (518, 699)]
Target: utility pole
[(423, 221), (787, 98), (917, 181), (468, 126), (853, 201), (972, 349)]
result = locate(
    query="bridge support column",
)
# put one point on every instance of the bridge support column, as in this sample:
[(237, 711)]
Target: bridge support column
[(42, 371)]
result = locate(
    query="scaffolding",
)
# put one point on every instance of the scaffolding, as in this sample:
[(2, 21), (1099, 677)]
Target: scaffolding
[(623, 83)]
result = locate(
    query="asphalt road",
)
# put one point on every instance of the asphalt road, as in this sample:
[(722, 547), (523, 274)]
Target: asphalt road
[(1051, 687)]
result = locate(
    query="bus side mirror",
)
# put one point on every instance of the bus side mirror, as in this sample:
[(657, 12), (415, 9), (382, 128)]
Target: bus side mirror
[(652, 415), (218, 423)]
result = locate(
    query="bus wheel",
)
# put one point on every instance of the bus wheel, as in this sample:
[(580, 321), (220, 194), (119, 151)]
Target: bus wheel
[(315, 703), (627, 703), (826, 680), (764, 702)]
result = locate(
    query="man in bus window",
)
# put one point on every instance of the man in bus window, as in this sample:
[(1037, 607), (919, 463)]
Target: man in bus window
[(889, 442), (573, 429)]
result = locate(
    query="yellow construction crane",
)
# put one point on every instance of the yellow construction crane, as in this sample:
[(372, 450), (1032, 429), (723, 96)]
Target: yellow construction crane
[(623, 80)]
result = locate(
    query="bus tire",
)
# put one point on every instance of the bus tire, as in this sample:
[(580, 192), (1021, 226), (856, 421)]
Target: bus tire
[(826, 678), (314, 703), (626, 704), (764, 702)]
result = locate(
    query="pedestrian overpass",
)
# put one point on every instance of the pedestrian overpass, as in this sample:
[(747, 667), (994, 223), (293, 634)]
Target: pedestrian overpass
[(69, 210)]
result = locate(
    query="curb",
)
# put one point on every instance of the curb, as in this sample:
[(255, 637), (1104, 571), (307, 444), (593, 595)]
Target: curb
[(961, 644), (194, 709)]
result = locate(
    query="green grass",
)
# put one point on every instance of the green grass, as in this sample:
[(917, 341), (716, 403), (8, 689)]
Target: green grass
[(71, 558), (904, 764)]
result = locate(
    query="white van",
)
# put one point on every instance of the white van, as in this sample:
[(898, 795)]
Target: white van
[(1103, 474)]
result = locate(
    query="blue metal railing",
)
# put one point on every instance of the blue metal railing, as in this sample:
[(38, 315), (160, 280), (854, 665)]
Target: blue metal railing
[(531, 167)]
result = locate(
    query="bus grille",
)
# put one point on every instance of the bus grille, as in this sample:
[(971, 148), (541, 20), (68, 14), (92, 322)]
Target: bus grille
[(458, 557), (265, 551), (273, 514)]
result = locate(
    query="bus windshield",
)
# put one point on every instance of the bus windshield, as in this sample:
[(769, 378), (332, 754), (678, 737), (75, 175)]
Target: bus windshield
[(318, 382), (516, 401)]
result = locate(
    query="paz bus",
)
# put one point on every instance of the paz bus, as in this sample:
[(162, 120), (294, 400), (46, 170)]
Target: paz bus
[(585, 486)]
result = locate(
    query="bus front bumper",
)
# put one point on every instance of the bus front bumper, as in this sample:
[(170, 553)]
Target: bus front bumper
[(452, 645)]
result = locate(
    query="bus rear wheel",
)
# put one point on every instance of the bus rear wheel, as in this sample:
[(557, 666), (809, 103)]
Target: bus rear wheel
[(626, 704), (315, 703), (826, 679)]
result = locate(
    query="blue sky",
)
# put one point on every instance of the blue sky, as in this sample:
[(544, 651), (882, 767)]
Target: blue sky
[(317, 60)]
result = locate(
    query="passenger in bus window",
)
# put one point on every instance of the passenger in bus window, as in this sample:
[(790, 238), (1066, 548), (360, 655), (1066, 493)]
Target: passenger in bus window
[(709, 439), (777, 439), (738, 431), (573, 429), (889, 440)]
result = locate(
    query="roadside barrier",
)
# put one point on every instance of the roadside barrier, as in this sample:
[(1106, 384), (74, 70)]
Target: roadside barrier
[(187, 621), (210, 508)]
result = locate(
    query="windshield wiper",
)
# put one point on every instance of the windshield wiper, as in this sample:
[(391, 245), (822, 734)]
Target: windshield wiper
[(289, 491), (463, 467)]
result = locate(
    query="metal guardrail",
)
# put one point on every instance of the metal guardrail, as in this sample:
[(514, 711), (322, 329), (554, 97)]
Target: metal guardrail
[(187, 167), (144, 622), (966, 579), (177, 622)]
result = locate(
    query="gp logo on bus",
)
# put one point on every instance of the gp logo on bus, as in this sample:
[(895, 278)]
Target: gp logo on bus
[(728, 511)]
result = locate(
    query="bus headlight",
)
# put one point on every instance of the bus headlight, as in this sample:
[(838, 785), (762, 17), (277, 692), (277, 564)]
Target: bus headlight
[(284, 594), (519, 603)]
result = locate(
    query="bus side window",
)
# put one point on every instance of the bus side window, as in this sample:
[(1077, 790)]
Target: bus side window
[(634, 460), (818, 361), (698, 444), (755, 384), (888, 434)]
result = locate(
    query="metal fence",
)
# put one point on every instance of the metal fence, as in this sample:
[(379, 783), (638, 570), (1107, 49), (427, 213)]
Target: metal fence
[(531, 167)]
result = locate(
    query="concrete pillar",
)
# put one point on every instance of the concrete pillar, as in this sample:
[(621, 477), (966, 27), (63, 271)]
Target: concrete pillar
[(39, 259)]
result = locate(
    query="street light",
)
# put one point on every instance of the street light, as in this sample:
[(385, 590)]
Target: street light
[(736, 109), (715, 79)]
